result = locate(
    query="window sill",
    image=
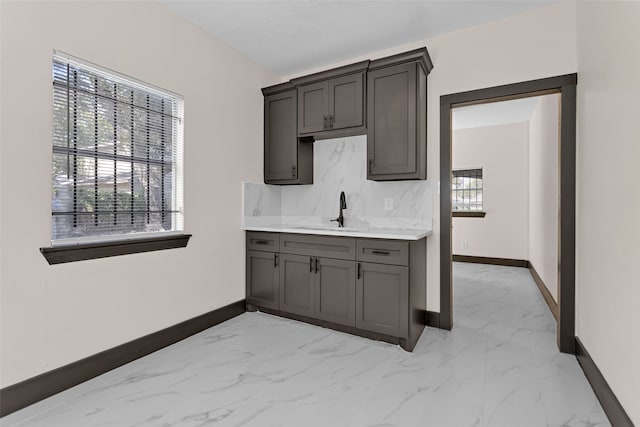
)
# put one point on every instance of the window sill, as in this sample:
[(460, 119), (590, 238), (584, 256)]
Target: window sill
[(468, 214), (85, 251)]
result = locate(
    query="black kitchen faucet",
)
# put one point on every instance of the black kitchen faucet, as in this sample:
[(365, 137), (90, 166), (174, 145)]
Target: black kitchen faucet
[(343, 205)]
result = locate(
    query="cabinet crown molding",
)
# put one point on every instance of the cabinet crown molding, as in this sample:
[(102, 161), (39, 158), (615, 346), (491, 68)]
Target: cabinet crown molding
[(358, 67), (420, 55), (281, 87)]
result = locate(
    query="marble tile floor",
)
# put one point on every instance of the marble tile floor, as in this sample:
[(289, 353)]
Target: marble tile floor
[(499, 366)]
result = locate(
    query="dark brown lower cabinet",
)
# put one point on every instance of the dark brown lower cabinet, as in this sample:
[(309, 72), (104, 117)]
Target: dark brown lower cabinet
[(382, 299), (322, 288), (335, 291), (370, 287), (297, 280), (263, 279)]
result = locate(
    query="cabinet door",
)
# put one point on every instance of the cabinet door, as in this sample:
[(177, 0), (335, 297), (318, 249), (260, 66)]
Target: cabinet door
[(313, 107), (382, 299), (263, 279), (392, 129), (280, 137), (296, 284), (346, 101), (335, 291)]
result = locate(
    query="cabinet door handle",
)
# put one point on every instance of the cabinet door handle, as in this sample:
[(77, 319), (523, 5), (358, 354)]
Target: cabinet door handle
[(317, 267), (310, 265), (331, 121), (380, 252), (359, 274), (275, 260), (293, 171), (370, 165), (326, 122)]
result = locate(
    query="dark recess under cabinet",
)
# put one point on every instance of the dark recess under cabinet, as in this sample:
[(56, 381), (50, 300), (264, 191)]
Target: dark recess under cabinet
[(370, 287)]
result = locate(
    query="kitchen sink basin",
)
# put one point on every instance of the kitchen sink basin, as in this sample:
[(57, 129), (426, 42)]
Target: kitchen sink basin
[(323, 228)]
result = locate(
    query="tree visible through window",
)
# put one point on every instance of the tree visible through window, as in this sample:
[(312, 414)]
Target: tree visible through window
[(117, 155), (466, 192)]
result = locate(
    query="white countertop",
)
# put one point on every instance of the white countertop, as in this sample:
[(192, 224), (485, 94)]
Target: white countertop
[(371, 233)]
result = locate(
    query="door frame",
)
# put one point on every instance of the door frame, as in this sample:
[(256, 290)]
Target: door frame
[(565, 85)]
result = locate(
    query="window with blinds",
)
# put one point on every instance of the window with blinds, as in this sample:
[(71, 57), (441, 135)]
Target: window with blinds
[(117, 155), (466, 191)]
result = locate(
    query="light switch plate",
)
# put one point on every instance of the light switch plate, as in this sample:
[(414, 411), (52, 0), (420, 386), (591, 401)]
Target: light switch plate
[(388, 203)]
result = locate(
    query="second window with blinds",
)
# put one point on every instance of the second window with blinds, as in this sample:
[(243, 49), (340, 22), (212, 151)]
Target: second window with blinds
[(466, 193), (117, 156)]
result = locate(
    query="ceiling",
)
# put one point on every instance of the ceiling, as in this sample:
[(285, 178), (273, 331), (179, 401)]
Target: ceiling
[(495, 113), (288, 37)]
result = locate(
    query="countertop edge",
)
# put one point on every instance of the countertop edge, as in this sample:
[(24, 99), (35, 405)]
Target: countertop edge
[(369, 234)]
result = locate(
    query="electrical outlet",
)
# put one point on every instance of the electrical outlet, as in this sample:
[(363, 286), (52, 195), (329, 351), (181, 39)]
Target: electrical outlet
[(388, 203)]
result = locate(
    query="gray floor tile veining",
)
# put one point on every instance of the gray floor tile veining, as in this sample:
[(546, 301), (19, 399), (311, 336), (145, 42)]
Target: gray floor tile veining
[(499, 366)]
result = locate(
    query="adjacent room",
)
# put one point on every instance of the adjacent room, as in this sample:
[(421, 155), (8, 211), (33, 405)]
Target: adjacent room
[(319, 213), (505, 187)]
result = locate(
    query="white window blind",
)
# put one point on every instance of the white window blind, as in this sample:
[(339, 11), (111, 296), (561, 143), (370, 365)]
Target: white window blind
[(117, 155)]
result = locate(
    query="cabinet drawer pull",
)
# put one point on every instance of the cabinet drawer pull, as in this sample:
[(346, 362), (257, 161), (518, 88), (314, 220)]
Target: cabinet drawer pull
[(261, 242), (380, 252)]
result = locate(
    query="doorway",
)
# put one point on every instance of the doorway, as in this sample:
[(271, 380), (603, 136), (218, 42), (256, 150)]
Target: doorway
[(565, 86)]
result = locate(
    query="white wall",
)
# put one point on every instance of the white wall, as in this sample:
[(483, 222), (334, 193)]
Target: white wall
[(543, 191), (532, 45), (503, 153), (608, 205), (54, 315)]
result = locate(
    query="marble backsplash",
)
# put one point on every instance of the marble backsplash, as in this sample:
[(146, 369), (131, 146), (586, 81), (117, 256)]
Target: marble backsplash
[(340, 165)]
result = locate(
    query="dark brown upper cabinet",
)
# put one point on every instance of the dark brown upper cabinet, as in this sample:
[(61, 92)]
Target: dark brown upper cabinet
[(287, 160), (313, 108), (397, 116), (331, 103), (385, 99)]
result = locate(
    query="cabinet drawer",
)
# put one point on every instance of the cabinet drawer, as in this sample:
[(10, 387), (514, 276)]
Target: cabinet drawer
[(262, 241), (382, 251), (318, 246)]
